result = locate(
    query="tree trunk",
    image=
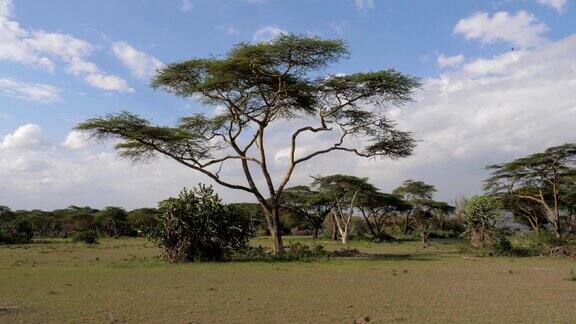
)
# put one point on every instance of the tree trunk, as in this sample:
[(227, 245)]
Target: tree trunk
[(315, 233), (276, 234), (345, 236), (273, 220), (334, 229), (557, 229), (406, 222)]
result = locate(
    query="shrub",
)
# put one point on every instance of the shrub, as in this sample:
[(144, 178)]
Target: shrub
[(197, 226), (86, 236)]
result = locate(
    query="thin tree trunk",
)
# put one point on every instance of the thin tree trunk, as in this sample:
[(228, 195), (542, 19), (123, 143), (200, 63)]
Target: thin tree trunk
[(334, 228), (315, 233)]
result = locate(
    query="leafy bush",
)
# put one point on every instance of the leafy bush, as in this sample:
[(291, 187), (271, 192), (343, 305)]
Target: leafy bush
[(18, 231), (86, 236), (197, 226)]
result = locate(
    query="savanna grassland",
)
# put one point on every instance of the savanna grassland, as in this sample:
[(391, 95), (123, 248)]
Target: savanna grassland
[(123, 281)]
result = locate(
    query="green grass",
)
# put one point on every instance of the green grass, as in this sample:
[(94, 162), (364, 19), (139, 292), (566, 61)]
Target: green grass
[(123, 281)]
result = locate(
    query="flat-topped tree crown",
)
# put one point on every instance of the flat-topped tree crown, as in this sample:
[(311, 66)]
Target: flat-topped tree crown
[(541, 178), (251, 87)]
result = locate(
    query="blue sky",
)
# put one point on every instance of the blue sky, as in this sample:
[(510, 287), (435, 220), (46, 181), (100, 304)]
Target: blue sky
[(64, 61)]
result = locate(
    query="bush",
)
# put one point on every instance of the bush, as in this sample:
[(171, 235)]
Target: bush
[(19, 231), (197, 226), (86, 236)]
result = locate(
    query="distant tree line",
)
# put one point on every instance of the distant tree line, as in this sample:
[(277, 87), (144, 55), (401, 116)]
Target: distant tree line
[(20, 226)]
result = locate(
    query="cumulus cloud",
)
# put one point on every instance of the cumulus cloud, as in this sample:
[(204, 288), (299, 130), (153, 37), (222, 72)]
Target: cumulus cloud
[(558, 5), (26, 137), (450, 61), (41, 49), (29, 91), (141, 65), (267, 33), (521, 29), (76, 141), (108, 82)]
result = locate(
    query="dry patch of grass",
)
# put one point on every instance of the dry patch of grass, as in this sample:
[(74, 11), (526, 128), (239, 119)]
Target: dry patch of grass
[(122, 281)]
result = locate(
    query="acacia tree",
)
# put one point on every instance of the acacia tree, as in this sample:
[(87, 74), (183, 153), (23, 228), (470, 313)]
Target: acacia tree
[(309, 205), (417, 193), (255, 86), (345, 192), (426, 215), (377, 208), (540, 178), (525, 211)]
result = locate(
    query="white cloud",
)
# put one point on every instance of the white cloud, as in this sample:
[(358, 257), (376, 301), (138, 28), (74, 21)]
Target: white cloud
[(5, 8), (63, 46), (558, 5), (522, 29), (108, 82), (364, 5), (76, 141), (29, 91), (494, 65), (28, 137), (267, 33), (450, 61), (467, 118), (141, 65), (41, 49)]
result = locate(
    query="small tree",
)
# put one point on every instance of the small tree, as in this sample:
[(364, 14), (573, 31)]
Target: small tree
[(540, 178), (197, 226), (112, 221), (481, 214), (344, 191), (377, 208), (427, 215), (525, 211), (417, 193), (257, 86), (308, 205)]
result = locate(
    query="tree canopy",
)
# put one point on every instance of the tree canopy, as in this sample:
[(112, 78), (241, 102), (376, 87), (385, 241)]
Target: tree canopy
[(540, 178)]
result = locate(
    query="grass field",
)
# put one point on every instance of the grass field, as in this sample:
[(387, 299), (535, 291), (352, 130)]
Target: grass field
[(122, 281)]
